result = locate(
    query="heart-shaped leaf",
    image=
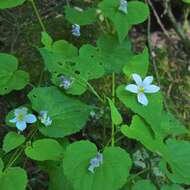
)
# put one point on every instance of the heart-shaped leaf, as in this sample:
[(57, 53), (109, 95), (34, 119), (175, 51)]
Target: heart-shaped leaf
[(12, 140), (13, 178), (111, 175), (10, 77), (123, 22), (44, 149), (171, 187), (68, 115)]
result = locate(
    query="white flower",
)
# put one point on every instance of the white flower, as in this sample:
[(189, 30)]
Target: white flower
[(95, 162), (123, 7), (22, 118), (75, 30), (45, 119), (141, 87)]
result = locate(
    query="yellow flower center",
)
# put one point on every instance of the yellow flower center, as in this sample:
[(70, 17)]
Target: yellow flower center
[(20, 117), (141, 89)]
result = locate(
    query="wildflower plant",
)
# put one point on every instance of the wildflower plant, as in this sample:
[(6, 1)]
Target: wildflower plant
[(58, 114)]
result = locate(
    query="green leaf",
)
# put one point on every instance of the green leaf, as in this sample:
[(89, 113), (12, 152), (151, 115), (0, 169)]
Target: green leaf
[(123, 22), (87, 66), (170, 126), (61, 52), (4, 4), (13, 178), (12, 140), (141, 132), (144, 184), (57, 179), (10, 77), (85, 17), (117, 56), (46, 40), (137, 64), (1, 165), (44, 149), (68, 114), (111, 175), (186, 1), (177, 156), (171, 187), (147, 112), (115, 115)]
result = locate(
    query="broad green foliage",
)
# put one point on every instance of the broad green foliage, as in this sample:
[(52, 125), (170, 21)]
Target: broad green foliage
[(114, 55), (140, 131), (144, 184), (56, 110), (10, 77), (57, 54), (68, 114), (13, 178), (186, 1), (81, 17), (178, 155), (137, 64), (58, 181), (111, 175), (44, 149), (123, 22), (115, 115), (12, 140), (171, 187), (4, 4), (1, 164), (147, 112)]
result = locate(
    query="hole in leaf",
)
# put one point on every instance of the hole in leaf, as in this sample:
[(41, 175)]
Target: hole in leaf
[(5, 88), (77, 72)]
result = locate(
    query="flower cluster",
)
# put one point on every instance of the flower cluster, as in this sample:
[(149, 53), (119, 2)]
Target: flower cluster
[(22, 118), (95, 162)]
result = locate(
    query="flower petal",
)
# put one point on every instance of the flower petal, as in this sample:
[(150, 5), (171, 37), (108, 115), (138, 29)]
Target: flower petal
[(21, 126), (137, 79), (151, 89), (142, 99), (30, 118), (148, 80), (132, 88), (22, 111), (14, 120)]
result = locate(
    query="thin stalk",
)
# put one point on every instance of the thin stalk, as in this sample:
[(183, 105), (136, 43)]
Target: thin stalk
[(37, 15), (113, 99)]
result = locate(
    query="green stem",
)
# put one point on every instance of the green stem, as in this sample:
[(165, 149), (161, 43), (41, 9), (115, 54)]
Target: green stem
[(113, 99), (95, 93), (37, 15), (19, 152)]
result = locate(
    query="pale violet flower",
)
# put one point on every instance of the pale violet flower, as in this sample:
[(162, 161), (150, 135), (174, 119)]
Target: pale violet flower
[(75, 30), (123, 7), (141, 87), (22, 117), (66, 82), (45, 119), (95, 162)]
